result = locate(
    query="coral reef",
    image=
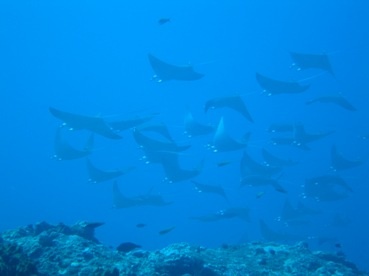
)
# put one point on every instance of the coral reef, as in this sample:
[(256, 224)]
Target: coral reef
[(44, 249)]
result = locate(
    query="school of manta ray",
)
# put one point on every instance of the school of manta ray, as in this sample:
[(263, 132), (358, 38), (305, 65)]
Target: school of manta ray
[(264, 173)]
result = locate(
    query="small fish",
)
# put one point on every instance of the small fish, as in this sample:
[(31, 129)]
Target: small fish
[(338, 245), (140, 225), (223, 163), (260, 194), (163, 21), (127, 247), (166, 231)]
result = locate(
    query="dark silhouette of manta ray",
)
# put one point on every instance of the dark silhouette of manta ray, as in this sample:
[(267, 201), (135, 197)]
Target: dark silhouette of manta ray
[(174, 171), (306, 61), (211, 189), (233, 102), (97, 175), (290, 212), (129, 123), (165, 71), (65, 151), (337, 100), (222, 141), (248, 166), (194, 128), (275, 161), (121, 201), (272, 235), (229, 213), (326, 188), (76, 122), (275, 87), (339, 162)]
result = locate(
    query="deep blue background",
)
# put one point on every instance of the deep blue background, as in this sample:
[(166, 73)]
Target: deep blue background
[(90, 57)]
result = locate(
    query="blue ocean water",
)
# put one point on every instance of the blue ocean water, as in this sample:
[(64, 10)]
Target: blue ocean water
[(91, 58)]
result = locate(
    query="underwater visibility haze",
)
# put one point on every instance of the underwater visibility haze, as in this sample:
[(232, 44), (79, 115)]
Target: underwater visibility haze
[(207, 122)]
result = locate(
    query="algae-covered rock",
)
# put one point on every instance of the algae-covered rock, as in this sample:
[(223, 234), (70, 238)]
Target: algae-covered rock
[(44, 249), (14, 262)]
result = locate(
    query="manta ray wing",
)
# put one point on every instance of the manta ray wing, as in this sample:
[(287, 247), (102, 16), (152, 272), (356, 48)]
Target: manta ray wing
[(97, 175), (306, 61), (233, 102), (339, 162), (326, 188), (337, 100), (65, 151), (76, 121), (223, 142), (194, 128), (174, 172), (165, 71), (275, 87)]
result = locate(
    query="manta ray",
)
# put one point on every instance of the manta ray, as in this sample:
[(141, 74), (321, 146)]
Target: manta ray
[(97, 175), (121, 201), (230, 213), (306, 61), (154, 145), (249, 166), (272, 235), (223, 142), (211, 189), (233, 102), (298, 137), (94, 124), (336, 100), (261, 180), (290, 212), (276, 87), (130, 123), (165, 71), (339, 162), (326, 188), (174, 171), (194, 128), (275, 161), (159, 128), (65, 151)]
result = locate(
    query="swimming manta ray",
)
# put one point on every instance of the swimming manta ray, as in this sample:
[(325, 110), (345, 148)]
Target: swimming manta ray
[(121, 201), (275, 161), (249, 166), (281, 127), (275, 87), (159, 128), (77, 122), (230, 213), (97, 175), (153, 145), (306, 61), (233, 102), (303, 137), (261, 180), (290, 212), (211, 189), (339, 162), (326, 188), (194, 128), (174, 171), (165, 71), (337, 100), (223, 142), (272, 235), (131, 122), (298, 137), (65, 151)]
